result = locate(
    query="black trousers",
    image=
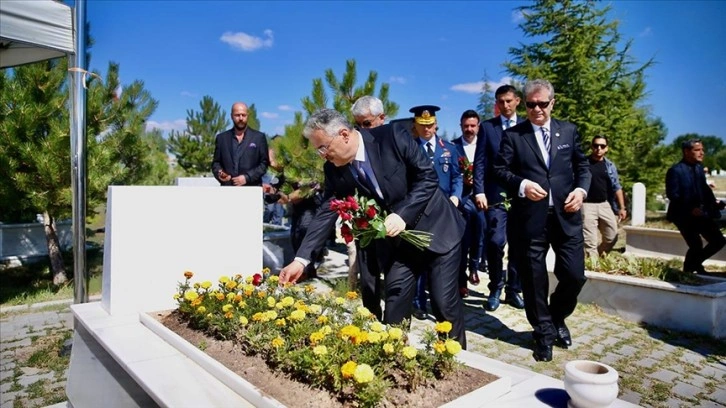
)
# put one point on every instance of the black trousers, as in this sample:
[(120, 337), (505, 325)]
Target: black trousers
[(496, 240), (692, 229), (405, 263), (544, 311)]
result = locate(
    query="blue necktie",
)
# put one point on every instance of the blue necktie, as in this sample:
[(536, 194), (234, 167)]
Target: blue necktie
[(546, 139)]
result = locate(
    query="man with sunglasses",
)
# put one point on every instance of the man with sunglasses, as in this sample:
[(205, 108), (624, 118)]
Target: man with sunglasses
[(544, 170), (400, 177), (604, 200), (368, 112)]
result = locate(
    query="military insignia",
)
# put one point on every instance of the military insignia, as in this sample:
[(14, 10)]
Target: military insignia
[(445, 168), (425, 114), (446, 153)]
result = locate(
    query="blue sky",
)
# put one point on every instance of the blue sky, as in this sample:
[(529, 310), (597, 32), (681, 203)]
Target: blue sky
[(268, 53)]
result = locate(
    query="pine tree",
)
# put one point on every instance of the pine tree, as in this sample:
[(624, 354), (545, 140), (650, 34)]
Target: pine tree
[(487, 101), (598, 87), (35, 169)]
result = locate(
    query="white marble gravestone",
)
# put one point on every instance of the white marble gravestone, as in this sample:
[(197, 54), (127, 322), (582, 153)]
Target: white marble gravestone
[(155, 233), (638, 210)]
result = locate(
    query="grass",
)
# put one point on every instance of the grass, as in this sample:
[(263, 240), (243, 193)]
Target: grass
[(660, 269)]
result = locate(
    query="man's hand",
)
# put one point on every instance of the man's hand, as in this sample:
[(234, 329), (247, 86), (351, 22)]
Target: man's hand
[(239, 181), (622, 214), (535, 192), (291, 273), (394, 225), (223, 176), (573, 202), (481, 201), (455, 200)]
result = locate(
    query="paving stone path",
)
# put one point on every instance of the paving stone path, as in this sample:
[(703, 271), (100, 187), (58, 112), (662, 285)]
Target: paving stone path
[(658, 367)]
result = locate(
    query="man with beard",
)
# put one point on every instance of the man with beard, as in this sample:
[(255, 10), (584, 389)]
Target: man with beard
[(240, 154)]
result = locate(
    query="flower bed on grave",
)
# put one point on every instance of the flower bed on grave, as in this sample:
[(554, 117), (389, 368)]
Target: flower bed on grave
[(327, 342)]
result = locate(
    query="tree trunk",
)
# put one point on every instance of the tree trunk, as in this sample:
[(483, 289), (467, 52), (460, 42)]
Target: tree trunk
[(54, 251)]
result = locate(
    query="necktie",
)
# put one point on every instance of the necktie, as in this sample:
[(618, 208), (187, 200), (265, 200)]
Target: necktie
[(363, 177), (508, 123), (430, 151), (546, 139)]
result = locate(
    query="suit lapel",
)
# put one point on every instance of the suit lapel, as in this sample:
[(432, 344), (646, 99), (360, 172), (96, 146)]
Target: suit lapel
[(374, 156), (554, 139), (531, 139)]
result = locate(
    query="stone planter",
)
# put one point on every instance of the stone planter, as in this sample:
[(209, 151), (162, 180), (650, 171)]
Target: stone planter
[(590, 384), (660, 243)]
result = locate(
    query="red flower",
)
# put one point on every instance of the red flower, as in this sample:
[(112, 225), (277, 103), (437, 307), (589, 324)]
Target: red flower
[(371, 212), (347, 233), (362, 223), (257, 279)]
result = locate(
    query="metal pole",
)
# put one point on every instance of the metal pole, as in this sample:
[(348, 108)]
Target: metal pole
[(78, 154)]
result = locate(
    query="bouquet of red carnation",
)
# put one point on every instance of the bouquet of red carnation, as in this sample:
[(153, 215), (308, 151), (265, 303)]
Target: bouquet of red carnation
[(467, 170), (363, 220)]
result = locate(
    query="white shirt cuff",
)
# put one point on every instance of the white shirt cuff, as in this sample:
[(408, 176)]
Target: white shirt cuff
[(303, 261)]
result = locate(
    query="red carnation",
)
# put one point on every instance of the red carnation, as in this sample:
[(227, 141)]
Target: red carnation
[(362, 223), (371, 212), (347, 234), (257, 279)]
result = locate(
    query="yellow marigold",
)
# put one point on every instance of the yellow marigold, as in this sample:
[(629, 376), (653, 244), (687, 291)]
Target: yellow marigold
[(281, 322), (326, 329), (209, 316), (219, 296), (339, 301), (226, 308), (197, 285), (176, 296), (279, 306), (320, 350), (315, 337), (297, 315), (265, 271), (351, 295), (305, 308), (360, 338), (348, 369), (196, 302), (278, 342), (248, 288), (315, 309), (260, 294), (452, 346), (363, 374), (237, 297), (349, 331), (230, 285), (258, 317), (287, 301), (378, 327), (191, 295), (223, 279), (242, 304), (388, 348), (271, 301), (322, 319), (188, 274), (439, 347), (237, 277), (409, 352), (362, 311), (206, 284), (248, 279), (230, 296), (201, 310), (271, 315), (374, 337), (395, 333), (299, 304), (309, 288), (273, 280), (229, 315), (443, 327), (243, 321), (384, 336)]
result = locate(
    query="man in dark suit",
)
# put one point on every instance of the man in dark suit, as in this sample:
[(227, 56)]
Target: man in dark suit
[(403, 182), (693, 207), (473, 242), (544, 170), (240, 154), (489, 197)]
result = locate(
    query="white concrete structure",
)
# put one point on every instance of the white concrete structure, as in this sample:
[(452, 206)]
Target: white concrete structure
[(637, 213), (197, 182), (662, 243)]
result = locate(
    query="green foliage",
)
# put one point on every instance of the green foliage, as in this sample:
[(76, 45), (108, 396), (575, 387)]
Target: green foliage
[(487, 101), (302, 166), (659, 269), (598, 87), (194, 147)]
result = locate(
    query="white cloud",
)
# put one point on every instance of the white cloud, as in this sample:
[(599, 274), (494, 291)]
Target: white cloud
[(397, 80), (285, 108), (246, 42), (269, 115), (178, 124), (517, 16), (188, 94), (477, 87), (647, 32)]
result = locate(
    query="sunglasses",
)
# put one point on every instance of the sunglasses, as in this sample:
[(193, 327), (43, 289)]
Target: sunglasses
[(542, 105), (366, 124), (599, 146)]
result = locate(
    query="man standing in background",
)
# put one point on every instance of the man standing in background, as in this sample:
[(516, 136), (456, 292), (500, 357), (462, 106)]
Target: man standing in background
[(240, 154)]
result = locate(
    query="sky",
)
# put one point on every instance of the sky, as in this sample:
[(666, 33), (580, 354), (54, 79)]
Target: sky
[(267, 53)]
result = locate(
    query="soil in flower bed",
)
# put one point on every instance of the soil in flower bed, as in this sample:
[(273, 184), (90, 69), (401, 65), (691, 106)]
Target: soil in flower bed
[(292, 393)]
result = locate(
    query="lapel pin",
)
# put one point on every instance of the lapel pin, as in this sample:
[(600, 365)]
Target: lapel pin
[(557, 134)]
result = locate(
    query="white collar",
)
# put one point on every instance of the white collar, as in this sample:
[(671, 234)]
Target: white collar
[(360, 155)]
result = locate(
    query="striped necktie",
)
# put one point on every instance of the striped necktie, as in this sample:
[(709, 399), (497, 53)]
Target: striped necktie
[(546, 139)]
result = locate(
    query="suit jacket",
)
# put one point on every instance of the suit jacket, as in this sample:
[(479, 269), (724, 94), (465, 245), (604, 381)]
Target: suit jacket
[(487, 148), (446, 164), (252, 161), (686, 189), (520, 158), (409, 186)]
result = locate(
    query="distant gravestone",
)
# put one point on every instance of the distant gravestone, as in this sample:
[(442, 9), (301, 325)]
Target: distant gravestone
[(638, 212)]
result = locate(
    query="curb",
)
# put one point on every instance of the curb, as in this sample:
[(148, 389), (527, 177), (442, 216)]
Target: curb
[(8, 309)]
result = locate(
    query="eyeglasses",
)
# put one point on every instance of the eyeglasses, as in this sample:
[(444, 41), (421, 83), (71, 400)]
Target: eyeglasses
[(542, 105), (599, 146), (323, 150)]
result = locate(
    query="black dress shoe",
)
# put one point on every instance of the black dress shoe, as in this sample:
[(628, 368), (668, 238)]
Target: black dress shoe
[(492, 303), (419, 314), (483, 267), (564, 339), (474, 278), (542, 352), (515, 300), (464, 292)]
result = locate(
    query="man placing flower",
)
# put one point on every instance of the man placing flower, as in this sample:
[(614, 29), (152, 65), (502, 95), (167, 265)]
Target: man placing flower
[(385, 164)]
